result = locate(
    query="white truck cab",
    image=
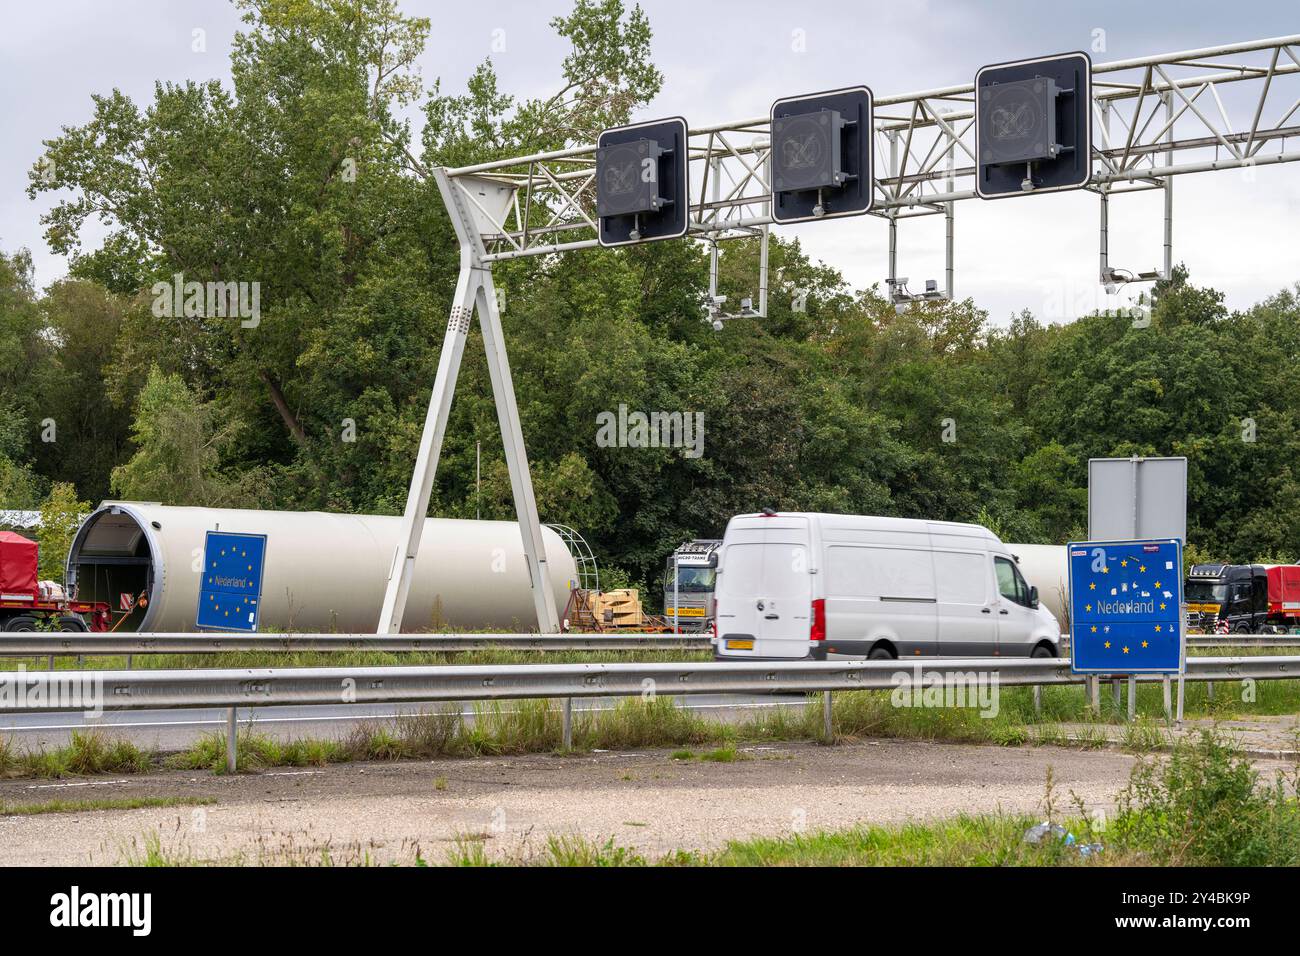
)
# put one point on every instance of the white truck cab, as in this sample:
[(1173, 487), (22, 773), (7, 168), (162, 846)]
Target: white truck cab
[(805, 585)]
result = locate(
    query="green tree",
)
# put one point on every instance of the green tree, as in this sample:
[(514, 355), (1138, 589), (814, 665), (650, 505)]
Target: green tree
[(82, 321), (61, 515), (177, 437)]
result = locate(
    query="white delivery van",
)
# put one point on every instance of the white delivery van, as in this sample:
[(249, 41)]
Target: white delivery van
[(797, 585)]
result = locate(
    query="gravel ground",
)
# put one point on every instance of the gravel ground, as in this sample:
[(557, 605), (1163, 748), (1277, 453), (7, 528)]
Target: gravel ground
[(389, 812)]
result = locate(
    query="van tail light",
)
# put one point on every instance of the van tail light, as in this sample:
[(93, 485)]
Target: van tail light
[(817, 630)]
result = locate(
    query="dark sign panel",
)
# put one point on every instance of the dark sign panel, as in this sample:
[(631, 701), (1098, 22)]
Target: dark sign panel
[(821, 155), (1033, 130), (642, 191)]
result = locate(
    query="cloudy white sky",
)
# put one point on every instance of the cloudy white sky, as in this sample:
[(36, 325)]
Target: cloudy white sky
[(728, 60)]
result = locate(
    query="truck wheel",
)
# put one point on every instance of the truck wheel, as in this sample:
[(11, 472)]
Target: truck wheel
[(1242, 628), (20, 625), (72, 623)]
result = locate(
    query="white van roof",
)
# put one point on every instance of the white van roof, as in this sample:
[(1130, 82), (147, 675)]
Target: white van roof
[(839, 522)]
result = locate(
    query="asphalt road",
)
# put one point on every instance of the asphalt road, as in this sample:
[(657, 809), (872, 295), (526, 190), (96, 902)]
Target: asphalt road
[(171, 730)]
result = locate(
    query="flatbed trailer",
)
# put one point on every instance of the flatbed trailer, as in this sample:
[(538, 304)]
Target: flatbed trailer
[(62, 615), (27, 604)]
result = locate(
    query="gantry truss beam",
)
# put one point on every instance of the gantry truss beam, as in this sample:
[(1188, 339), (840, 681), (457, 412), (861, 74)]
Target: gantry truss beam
[(1156, 117)]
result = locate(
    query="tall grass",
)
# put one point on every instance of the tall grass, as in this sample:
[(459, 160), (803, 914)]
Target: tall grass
[(1206, 805), (85, 753)]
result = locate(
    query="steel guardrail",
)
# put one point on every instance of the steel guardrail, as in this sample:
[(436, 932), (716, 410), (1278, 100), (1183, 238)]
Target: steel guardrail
[(260, 687), (62, 644), (1243, 640), (1227, 640)]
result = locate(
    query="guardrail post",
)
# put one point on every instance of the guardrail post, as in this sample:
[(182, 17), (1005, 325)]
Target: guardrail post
[(1166, 687), (231, 740), (1094, 694), (567, 732), (129, 659), (827, 727), (51, 662), (1038, 700), (1132, 697), (1209, 689), (1182, 687)]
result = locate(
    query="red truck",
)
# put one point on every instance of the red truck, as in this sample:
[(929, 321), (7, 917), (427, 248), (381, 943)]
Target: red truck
[(27, 604), (1284, 594)]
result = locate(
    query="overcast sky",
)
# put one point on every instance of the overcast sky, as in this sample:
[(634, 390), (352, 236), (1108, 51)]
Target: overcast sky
[(729, 60)]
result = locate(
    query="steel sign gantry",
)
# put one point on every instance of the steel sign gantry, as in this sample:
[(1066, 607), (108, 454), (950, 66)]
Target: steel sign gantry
[(1156, 117), (471, 204)]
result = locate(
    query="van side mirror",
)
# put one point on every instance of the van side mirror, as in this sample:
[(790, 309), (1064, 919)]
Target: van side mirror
[(1033, 596)]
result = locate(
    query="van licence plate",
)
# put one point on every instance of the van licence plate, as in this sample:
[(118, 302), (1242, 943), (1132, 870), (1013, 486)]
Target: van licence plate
[(740, 645)]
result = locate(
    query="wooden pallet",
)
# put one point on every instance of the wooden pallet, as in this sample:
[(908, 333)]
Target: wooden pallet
[(604, 611)]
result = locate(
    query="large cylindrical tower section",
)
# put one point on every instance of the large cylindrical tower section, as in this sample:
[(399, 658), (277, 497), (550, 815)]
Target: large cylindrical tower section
[(322, 571), (1044, 566)]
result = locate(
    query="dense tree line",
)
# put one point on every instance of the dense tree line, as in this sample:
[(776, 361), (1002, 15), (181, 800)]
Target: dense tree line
[(302, 176)]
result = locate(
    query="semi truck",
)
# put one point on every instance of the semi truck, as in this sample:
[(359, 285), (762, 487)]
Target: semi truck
[(1226, 596), (28, 604), (688, 585), (1243, 598)]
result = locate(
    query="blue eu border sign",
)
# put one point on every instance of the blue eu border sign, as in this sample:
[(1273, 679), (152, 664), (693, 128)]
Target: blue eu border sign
[(1126, 602), (230, 595)]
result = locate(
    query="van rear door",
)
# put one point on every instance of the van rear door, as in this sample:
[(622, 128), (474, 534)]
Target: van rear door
[(785, 602), (765, 591), (740, 576)]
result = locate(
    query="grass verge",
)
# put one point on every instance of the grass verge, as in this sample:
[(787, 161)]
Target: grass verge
[(86, 753), (81, 806)]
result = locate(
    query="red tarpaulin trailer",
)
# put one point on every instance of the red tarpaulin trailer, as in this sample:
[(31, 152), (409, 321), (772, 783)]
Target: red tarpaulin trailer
[(1284, 593), (17, 568), (22, 607)]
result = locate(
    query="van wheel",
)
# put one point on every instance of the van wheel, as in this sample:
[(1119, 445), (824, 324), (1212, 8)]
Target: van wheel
[(881, 654), (1042, 651)]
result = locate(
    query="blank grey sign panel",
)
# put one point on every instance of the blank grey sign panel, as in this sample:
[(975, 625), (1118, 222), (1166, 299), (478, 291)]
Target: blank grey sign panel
[(1137, 498)]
